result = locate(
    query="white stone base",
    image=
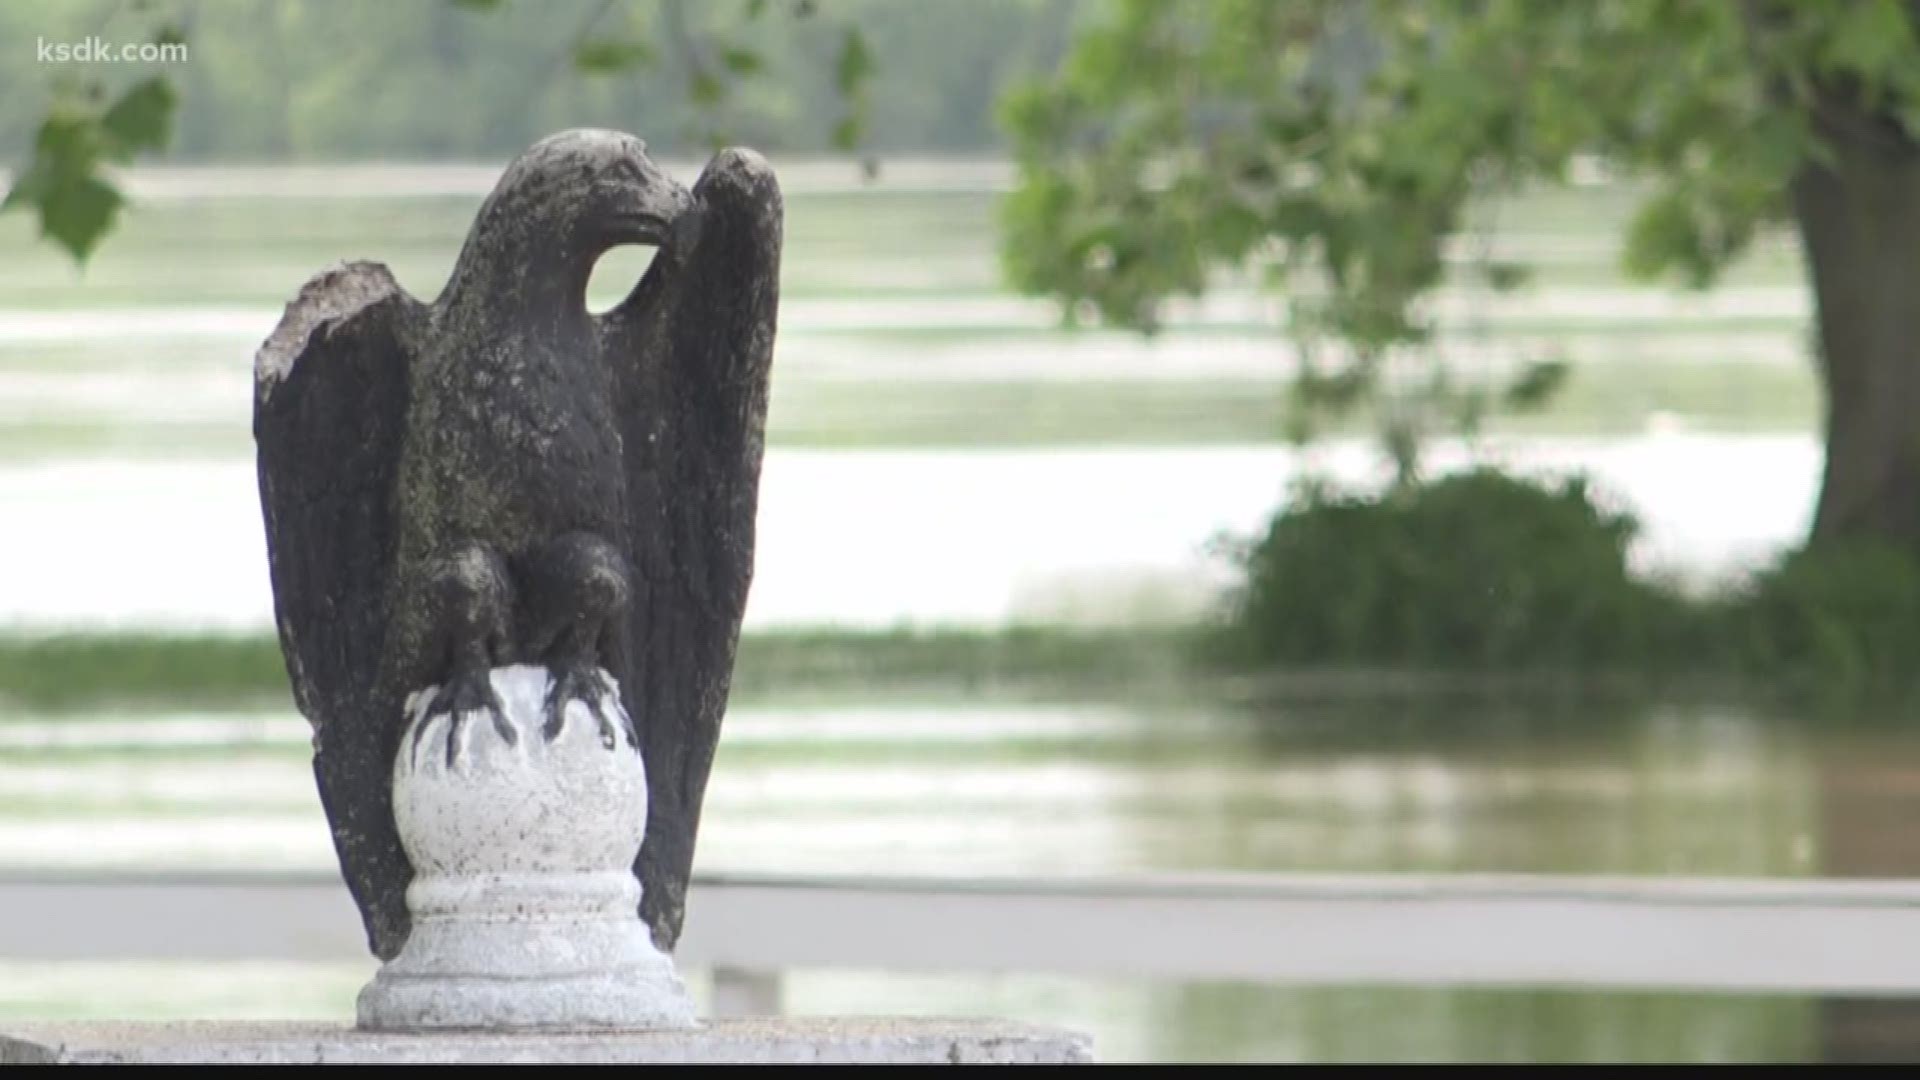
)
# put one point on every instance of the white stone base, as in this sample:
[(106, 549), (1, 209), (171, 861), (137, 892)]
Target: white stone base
[(563, 976), (525, 908), (820, 1041)]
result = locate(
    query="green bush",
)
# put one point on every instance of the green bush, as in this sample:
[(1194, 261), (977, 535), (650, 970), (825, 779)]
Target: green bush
[(1479, 569), (1840, 617)]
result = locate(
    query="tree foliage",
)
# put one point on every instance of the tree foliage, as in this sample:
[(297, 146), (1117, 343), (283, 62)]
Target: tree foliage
[(1333, 147), (81, 135)]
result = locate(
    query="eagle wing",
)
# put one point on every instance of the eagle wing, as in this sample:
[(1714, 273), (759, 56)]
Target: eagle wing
[(691, 349), (329, 409)]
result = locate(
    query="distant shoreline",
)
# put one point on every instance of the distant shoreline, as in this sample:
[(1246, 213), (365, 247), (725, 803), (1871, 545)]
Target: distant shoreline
[(112, 672), (802, 174)]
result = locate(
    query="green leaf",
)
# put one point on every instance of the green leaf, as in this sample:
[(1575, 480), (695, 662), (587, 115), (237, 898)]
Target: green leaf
[(741, 61), (66, 145), (76, 215), (1536, 385), (1664, 235), (756, 8), (142, 119), (608, 56), (76, 205), (851, 71), (1506, 276)]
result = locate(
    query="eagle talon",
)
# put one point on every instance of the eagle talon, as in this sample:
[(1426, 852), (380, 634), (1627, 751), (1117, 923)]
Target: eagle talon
[(579, 681), (466, 690)]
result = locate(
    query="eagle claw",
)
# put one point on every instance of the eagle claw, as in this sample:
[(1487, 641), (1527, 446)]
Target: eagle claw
[(466, 690), (582, 682)]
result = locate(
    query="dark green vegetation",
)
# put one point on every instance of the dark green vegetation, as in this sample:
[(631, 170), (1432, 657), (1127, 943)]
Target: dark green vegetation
[(1483, 572), (1477, 570), (1335, 150), (130, 668), (95, 670), (1841, 616)]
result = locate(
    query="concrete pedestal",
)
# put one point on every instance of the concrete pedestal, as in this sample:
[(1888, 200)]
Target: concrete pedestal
[(525, 908), (823, 1041)]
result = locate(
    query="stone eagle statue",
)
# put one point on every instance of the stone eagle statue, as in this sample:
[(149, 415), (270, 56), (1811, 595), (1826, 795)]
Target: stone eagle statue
[(502, 477)]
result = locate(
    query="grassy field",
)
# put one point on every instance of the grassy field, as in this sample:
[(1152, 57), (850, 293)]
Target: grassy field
[(115, 674), (40, 673)]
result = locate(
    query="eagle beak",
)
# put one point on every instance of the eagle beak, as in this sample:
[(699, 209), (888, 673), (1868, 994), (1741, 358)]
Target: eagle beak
[(684, 234), (666, 216)]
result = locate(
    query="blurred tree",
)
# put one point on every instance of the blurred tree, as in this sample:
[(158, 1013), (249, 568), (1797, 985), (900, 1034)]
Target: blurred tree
[(276, 80), (348, 52), (1334, 146)]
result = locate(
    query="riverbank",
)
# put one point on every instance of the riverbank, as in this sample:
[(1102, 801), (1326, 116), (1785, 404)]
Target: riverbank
[(62, 672), (112, 672)]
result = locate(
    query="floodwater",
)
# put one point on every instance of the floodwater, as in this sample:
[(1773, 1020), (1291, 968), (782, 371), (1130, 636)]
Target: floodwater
[(879, 538), (962, 787), (996, 787), (125, 397)]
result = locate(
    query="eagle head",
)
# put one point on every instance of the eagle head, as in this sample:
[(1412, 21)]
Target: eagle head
[(565, 202)]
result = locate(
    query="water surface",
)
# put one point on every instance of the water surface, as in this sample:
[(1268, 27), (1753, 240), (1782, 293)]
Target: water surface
[(958, 786)]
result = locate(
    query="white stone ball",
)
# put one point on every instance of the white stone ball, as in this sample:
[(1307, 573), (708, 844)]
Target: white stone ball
[(532, 806)]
